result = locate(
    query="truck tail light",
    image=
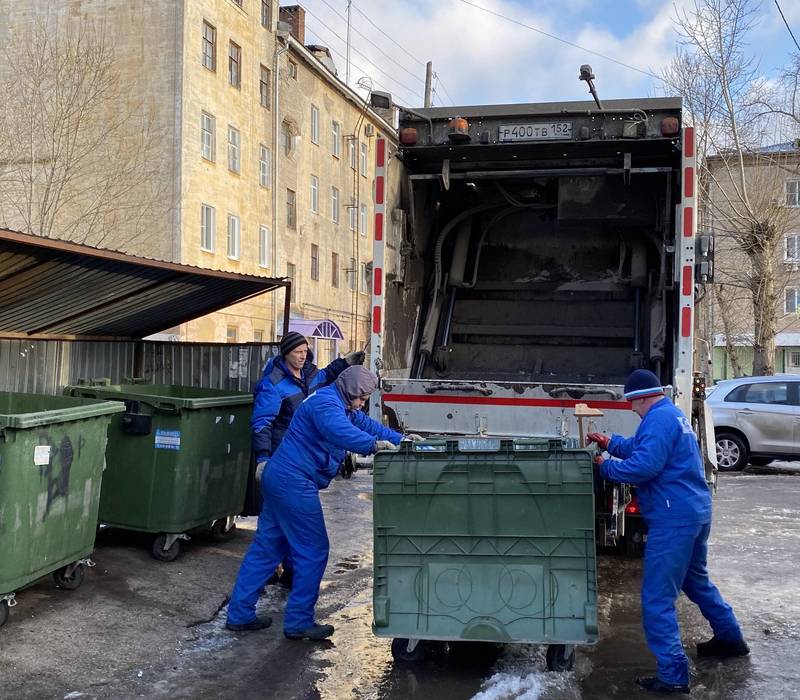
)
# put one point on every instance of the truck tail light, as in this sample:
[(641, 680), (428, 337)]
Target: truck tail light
[(669, 126), (633, 507), (408, 136), (458, 130)]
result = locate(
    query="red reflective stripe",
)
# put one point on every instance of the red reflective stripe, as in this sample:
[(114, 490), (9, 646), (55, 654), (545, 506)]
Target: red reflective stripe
[(377, 285), (686, 322), (381, 154), (504, 401), (376, 319), (688, 182), (378, 226), (688, 222), (688, 142), (379, 189), (687, 280)]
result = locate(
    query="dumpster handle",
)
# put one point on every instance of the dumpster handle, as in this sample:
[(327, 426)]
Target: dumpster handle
[(456, 386), (167, 408)]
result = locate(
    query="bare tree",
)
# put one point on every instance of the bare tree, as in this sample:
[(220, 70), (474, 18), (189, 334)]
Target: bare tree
[(721, 83), (79, 159)]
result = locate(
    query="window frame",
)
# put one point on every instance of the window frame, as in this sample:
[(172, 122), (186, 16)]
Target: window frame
[(314, 194), (363, 218), (234, 150), (212, 137), (336, 198), (291, 273), (264, 252), (228, 330), (234, 64), (796, 293), (352, 150), (264, 86), (291, 209), (365, 278), (314, 130), (236, 238), (352, 214), (351, 275), (264, 166), (266, 14), (796, 257), (291, 67), (204, 232), (315, 262), (364, 158), (334, 269), (286, 138), (336, 139), (212, 43), (795, 194)]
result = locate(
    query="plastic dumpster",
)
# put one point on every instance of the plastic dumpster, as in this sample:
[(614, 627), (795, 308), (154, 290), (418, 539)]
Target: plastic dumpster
[(52, 450), (485, 539), (177, 460)]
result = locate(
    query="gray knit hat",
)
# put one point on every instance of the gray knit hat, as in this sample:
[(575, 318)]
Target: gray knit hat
[(291, 341), (356, 381)]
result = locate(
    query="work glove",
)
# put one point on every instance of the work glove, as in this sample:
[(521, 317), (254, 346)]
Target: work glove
[(414, 437), (601, 440), (384, 445), (260, 470), (355, 358), (598, 462), (347, 468)]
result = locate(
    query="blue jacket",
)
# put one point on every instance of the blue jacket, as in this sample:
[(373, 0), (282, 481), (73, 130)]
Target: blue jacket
[(322, 430), (663, 461), (277, 396)]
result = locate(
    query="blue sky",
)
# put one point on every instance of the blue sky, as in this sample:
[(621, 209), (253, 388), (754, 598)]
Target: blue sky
[(482, 59)]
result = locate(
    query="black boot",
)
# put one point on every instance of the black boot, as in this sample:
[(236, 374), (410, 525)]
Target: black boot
[(313, 634), (286, 578), (722, 648), (656, 685), (260, 623)]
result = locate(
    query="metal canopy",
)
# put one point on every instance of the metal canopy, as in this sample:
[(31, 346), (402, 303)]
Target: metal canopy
[(55, 288), (324, 329)]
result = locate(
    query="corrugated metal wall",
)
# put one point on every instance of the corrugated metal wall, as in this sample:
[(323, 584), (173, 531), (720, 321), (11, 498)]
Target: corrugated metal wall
[(47, 366)]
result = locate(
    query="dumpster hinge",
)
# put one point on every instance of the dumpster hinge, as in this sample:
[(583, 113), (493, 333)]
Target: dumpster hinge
[(10, 599)]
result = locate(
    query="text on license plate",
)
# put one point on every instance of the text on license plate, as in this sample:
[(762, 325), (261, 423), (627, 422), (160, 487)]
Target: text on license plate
[(534, 132)]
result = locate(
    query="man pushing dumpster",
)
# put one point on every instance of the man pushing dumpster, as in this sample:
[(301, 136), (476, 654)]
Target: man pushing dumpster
[(663, 461), (291, 523), (285, 383)]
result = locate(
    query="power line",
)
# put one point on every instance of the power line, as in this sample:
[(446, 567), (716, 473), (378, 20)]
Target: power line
[(372, 43), (447, 94), (558, 38), (787, 25), (366, 58), (363, 14)]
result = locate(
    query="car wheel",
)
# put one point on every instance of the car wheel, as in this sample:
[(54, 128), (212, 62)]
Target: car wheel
[(761, 461), (731, 452)]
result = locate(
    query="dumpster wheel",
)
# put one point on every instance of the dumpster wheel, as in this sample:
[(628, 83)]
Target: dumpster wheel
[(163, 553), (401, 653), (220, 530), (3, 612), (560, 657), (69, 577)]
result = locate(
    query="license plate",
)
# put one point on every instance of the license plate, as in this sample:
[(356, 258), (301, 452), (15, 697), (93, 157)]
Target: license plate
[(543, 131), (478, 445)]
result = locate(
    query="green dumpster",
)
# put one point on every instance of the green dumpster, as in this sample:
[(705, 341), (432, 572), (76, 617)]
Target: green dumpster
[(52, 450), (177, 460), (485, 539)]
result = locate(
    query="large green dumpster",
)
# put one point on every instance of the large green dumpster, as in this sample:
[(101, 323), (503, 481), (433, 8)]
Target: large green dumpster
[(52, 450), (177, 460), (485, 539)]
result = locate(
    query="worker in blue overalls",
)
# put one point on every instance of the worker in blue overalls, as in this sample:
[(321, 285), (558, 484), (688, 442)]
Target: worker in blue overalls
[(663, 461), (328, 423)]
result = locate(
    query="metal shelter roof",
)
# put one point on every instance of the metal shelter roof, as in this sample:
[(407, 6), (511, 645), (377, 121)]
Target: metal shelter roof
[(50, 287)]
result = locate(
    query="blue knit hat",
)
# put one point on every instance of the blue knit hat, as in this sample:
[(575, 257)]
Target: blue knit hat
[(642, 383)]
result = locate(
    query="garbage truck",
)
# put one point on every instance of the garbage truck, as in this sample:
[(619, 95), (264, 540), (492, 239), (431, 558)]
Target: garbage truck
[(540, 252)]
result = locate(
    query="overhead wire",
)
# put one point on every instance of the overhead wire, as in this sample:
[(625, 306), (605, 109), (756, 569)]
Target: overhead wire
[(364, 14), (444, 89), (783, 17)]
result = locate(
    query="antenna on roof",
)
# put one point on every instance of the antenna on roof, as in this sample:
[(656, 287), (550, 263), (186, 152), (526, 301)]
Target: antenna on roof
[(587, 75)]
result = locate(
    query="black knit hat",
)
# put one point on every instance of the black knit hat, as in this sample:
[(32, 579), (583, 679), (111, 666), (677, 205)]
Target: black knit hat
[(291, 341), (642, 383)]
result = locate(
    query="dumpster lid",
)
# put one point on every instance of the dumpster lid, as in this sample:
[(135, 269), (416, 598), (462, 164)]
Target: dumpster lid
[(55, 288), (22, 411)]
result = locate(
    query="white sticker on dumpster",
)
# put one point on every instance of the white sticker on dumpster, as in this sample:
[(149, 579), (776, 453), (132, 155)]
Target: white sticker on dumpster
[(41, 455), (168, 439)]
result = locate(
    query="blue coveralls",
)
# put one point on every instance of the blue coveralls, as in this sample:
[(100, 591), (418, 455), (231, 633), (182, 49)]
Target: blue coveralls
[(291, 521), (663, 460)]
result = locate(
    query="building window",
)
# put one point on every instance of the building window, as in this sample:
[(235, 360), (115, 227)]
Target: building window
[(232, 334), (314, 124), (207, 131), (291, 209), (207, 227), (234, 237), (258, 335), (335, 205), (793, 248), (314, 194), (336, 139), (286, 138), (235, 65), (209, 56), (264, 166), (335, 270), (794, 359), (364, 158), (266, 14), (792, 298), (264, 82), (292, 69), (314, 261), (234, 149), (362, 219), (352, 213), (351, 151), (263, 246), (291, 274), (351, 275), (365, 284), (793, 193)]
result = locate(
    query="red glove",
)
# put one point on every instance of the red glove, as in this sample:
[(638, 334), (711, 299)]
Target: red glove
[(601, 440), (598, 461)]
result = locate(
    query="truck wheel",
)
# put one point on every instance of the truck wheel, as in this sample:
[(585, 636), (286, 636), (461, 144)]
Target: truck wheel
[(162, 554), (219, 533), (3, 612), (731, 452), (401, 654), (66, 580), (558, 659)]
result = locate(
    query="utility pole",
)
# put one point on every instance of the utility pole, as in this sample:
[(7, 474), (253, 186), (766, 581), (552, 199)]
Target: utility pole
[(347, 69), (428, 81)]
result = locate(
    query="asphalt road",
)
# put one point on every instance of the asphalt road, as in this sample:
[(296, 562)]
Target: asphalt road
[(140, 628)]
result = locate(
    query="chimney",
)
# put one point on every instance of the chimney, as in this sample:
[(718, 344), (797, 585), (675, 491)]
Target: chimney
[(296, 17)]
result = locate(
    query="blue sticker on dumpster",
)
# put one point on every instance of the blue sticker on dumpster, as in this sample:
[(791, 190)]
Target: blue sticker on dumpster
[(168, 439)]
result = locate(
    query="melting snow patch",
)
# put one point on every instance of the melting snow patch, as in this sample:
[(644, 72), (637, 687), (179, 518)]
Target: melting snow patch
[(505, 686)]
